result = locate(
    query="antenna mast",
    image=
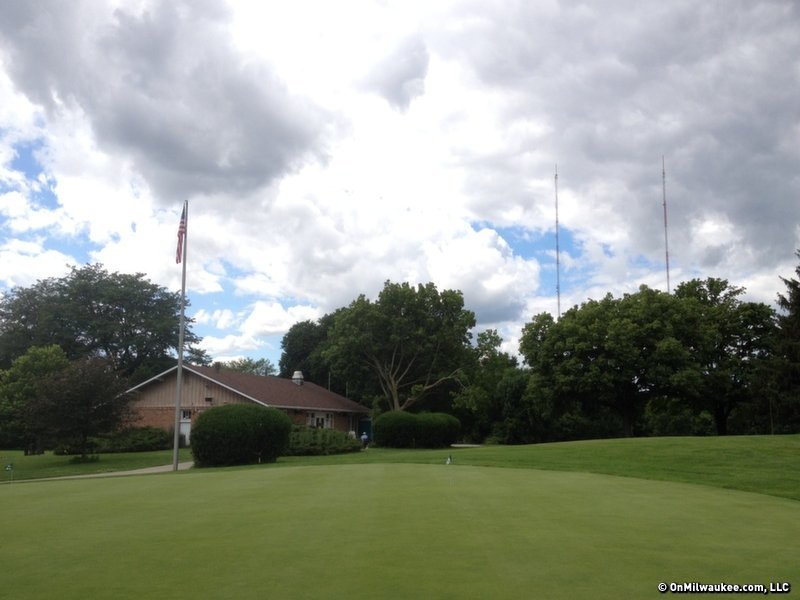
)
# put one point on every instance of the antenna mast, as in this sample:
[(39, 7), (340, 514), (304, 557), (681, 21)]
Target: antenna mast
[(558, 250), (666, 238)]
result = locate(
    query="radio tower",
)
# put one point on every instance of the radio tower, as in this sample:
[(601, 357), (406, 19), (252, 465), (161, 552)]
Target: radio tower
[(666, 238), (558, 251)]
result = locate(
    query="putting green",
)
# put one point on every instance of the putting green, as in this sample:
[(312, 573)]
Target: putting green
[(386, 531)]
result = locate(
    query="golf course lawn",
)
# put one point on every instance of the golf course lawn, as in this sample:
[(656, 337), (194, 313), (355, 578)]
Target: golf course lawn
[(387, 531)]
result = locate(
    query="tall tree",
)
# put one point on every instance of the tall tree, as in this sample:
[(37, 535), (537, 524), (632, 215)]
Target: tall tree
[(732, 341), (606, 358), (478, 405), (785, 415), (90, 312), (302, 349), (18, 388), (534, 335), (413, 341), (81, 400)]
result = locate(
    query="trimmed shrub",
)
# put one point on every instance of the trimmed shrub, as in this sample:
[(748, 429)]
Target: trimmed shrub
[(312, 441), (131, 439), (399, 429), (437, 430), (239, 434), (136, 439), (395, 429)]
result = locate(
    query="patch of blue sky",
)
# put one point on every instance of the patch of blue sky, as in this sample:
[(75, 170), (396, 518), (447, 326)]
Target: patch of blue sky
[(39, 192), (40, 183), (531, 244), (645, 263), (541, 247), (25, 160)]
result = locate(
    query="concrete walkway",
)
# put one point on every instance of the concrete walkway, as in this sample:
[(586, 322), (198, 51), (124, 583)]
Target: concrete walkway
[(147, 471)]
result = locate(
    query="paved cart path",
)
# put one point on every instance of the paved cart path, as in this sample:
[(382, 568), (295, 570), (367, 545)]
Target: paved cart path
[(147, 471)]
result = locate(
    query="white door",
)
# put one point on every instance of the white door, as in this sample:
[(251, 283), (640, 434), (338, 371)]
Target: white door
[(186, 426)]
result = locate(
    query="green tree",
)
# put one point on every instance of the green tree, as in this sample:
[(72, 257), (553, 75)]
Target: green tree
[(478, 405), (18, 389), (730, 346), (194, 355), (606, 359), (302, 349), (519, 423), (83, 399), (784, 406), (253, 366), (534, 335), (412, 341), (90, 312)]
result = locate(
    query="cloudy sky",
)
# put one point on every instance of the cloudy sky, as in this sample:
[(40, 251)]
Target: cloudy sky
[(325, 147)]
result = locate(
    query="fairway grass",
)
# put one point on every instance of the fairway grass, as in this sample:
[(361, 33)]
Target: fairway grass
[(386, 531), (46, 465), (764, 464)]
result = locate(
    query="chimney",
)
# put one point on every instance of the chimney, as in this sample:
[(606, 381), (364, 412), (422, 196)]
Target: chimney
[(297, 378)]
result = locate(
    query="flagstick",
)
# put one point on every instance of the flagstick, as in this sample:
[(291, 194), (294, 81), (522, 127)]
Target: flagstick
[(179, 386)]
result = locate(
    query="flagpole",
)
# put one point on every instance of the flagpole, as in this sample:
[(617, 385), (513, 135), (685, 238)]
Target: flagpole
[(558, 251), (664, 195), (181, 256)]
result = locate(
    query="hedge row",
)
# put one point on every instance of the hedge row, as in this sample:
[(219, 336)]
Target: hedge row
[(239, 434), (132, 439), (311, 441), (400, 429)]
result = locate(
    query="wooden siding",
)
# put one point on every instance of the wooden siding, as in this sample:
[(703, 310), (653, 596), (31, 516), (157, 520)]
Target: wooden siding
[(193, 395), (155, 404)]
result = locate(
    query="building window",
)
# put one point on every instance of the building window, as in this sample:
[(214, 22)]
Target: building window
[(186, 415), (320, 420)]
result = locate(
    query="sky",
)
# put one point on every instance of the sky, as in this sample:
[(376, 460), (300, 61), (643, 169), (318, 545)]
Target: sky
[(327, 147)]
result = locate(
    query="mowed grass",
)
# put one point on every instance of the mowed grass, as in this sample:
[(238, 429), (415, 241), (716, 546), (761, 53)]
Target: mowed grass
[(764, 464), (600, 519), (386, 531), (49, 465)]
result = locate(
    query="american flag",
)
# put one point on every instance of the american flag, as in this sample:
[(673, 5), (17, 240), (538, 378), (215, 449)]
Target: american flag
[(181, 235)]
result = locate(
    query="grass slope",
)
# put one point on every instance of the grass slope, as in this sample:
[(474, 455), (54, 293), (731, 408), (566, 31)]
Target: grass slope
[(763, 464), (386, 531)]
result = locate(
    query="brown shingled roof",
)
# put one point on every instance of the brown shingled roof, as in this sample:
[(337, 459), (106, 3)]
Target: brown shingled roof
[(279, 392)]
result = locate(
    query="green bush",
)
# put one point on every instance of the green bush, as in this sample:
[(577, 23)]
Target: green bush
[(239, 434), (132, 439), (395, 429), (399, 429), (136, 439), (308, 441), (437, 430), (68, 449)]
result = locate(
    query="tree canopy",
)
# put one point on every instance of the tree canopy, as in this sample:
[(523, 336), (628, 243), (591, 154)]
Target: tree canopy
[(124, 318), (479, 403), (411, 340), (619, 361), (302, 349), (82, 400), (47, 400), (732, 340), (698, 361), (18, 388), (784, 407), (252, 366)]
